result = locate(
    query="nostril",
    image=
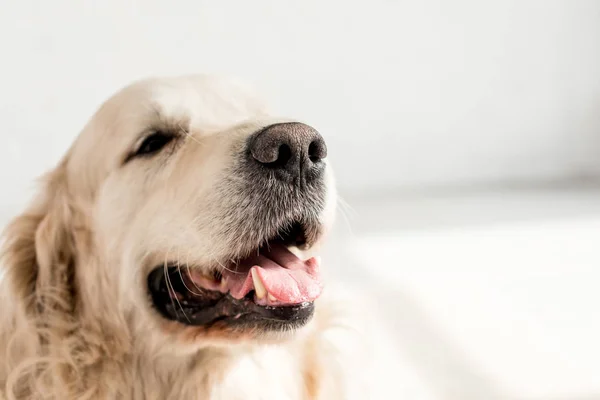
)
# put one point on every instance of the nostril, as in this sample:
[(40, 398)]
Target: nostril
[(284, 154), (317, 151)]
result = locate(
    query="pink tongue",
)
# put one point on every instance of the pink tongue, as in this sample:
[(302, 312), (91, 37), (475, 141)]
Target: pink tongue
[(285, 277)]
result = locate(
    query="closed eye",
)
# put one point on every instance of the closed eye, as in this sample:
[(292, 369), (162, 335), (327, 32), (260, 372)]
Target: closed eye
[(152, 144)]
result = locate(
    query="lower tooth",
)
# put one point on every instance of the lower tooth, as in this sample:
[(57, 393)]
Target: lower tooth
[(272, 298)]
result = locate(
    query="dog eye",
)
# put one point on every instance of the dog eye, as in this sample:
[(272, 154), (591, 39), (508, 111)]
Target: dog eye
[(154, 143)]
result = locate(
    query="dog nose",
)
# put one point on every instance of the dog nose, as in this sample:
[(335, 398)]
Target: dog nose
[(294, 148)]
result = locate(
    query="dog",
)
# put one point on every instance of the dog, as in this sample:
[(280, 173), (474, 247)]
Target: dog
[(173, 254)]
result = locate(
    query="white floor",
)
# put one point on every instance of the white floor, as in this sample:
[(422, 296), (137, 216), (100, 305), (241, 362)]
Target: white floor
[(490, 295)]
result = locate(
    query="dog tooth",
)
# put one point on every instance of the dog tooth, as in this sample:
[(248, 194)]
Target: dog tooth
[(295, 251), (208, 277), (223, 285), (271, 297), (259, 288)]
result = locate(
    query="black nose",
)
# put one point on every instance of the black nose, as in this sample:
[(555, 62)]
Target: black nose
[(294, 149)]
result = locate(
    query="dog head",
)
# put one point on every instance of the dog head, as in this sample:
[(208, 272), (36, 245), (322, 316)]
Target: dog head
[(184, 211)]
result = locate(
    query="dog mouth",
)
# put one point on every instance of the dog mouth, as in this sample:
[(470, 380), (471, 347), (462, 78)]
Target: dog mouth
[(271, 289)]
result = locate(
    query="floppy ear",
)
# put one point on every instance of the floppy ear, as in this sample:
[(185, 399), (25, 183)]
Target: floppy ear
[(39, 258), (39, 251)]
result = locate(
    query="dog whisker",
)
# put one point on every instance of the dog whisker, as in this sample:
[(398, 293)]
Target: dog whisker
[(187, 266), (187, 134), (345, 209), (170, 285), (225, 268), (194, 283)]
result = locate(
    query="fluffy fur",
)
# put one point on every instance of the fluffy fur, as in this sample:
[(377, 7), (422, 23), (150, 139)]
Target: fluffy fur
[(75, 320)]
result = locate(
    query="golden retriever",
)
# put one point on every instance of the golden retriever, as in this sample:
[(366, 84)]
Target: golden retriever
[(172, 255)]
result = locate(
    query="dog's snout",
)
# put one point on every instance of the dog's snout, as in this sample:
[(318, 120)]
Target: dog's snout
[(295, 148)]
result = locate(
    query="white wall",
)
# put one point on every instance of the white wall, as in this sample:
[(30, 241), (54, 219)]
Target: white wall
[(407, 93)]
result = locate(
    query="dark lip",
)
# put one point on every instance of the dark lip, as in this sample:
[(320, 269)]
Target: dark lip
[(207, 307), (177, 299)]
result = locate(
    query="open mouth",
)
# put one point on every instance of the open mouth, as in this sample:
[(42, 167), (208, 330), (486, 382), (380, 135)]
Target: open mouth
[(272, 288)]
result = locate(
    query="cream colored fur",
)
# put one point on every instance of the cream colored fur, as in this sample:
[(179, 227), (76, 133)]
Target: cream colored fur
[(75, 321)]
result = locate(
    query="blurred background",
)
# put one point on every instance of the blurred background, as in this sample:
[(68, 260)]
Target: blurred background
[(465, 136)]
